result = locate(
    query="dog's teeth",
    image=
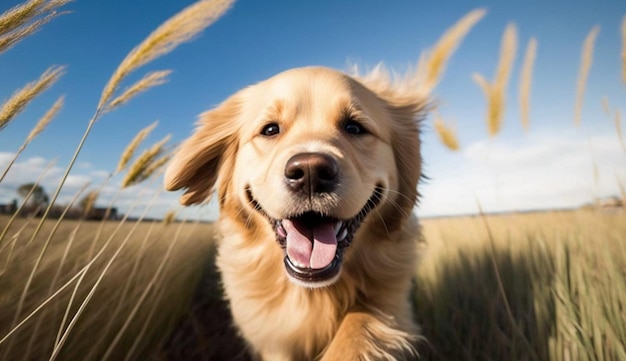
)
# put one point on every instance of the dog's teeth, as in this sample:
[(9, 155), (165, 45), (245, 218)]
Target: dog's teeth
[(343, 235), (338, 227)]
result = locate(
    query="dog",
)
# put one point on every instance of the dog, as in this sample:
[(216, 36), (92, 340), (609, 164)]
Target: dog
[(316, 174)]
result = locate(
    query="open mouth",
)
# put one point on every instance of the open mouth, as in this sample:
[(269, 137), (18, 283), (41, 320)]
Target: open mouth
[(314, 243)]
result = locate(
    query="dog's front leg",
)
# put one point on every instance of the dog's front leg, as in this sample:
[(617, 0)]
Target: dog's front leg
[(365, 336)]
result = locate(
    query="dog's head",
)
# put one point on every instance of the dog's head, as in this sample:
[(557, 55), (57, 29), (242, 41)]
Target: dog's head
[(312, 155)]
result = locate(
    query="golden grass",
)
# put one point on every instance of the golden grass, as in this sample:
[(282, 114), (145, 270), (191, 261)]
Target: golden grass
[(583, 72), (39, 127), (150, 80), (25, 19), (129, 152), (540, 286), (180, 28), (179, 272), (20, 99), (45, 120), (495, 93), (144, 165), (436, 59), (447, 135), (525, 82)]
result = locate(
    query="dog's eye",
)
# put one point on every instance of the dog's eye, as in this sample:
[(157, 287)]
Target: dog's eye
[(353, 127), (270, 130)]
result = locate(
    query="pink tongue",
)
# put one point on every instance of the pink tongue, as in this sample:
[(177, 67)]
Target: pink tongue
[(315, 254)]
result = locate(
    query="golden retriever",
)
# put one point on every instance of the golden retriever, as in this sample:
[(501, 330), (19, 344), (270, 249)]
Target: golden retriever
[(316, 173)]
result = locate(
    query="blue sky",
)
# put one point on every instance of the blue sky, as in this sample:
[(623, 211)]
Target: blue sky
[(549, 166)]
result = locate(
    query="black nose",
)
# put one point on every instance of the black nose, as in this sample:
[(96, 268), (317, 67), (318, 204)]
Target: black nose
[(312, 173)]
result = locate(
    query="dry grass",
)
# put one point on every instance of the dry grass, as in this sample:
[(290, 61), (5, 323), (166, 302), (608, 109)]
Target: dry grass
[(20, 99), (583, 72), (175, 284), (150, 80), (131, 148), (495, 92), (525, 82), (544, 286), (447, 135), (146, 163), (180, 28), (434, 63), (25, 19)]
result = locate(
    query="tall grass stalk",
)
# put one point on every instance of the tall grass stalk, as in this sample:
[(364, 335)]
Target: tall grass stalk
[(433, 65), (26, 198), (495, 92), (525, 82), (149, 287), (39, 127), (583, 72), (81, 308), (26, 19), (57, 274), (22, 97), (447, 135), (180, 28), (122, 297)]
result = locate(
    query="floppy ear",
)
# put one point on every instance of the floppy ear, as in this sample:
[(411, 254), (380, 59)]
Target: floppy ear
[(407, 150), (201, 158)]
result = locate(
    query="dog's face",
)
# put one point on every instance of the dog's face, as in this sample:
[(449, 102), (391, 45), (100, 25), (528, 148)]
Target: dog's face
[(311, 153)]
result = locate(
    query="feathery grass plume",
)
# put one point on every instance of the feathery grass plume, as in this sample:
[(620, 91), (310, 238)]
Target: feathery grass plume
[(137, 171), (39, 127), (618, 129), (585, 65), (149, 80), (525, 81), (433, 66), (45, 120), (25, 19), (496, 91), (624, 48), (155, 166), (179, 29), (20, 99), (132, 146), (446, 134)]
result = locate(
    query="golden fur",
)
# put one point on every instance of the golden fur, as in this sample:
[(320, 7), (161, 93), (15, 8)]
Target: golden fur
[(364, 313)]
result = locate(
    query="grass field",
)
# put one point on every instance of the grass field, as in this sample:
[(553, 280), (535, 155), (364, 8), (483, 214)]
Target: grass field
[(536, 286), (540, 286)]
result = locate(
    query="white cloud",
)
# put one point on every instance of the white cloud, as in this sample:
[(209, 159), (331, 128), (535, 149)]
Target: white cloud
[(543, 172)]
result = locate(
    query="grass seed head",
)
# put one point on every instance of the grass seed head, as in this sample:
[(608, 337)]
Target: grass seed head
[(138, 170), (434, 65), (181, 28), (583, 73), (25, 19), (446, 134), (20, 99), (149, 80), (45, 120), (525, 82), (128, 153)]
